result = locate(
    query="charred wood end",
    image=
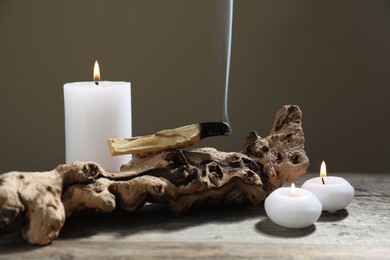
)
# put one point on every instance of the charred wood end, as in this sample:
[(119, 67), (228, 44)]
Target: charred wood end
[(209, 129)]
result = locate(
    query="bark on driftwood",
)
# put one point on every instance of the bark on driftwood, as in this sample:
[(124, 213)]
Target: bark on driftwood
[(38, 203)]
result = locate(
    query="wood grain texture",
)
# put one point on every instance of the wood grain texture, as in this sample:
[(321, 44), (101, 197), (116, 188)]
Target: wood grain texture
[(358, 232)]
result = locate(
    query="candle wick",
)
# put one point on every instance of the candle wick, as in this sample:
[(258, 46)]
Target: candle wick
[(96, 82), (323, 182)]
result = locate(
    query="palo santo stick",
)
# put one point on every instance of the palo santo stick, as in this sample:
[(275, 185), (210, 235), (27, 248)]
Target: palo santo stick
[(176, 138)]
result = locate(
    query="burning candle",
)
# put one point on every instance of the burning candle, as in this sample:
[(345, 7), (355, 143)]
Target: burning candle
[(94, 112), (334, 193), (292, 207)]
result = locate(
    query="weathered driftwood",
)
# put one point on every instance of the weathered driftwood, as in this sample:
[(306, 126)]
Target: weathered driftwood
[(39, 202)]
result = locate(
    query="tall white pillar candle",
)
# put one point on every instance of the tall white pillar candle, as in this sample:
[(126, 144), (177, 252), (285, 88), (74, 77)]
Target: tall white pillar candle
[(93, 114)]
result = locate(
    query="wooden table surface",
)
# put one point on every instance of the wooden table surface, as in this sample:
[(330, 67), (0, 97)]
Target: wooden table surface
[(361, 231)]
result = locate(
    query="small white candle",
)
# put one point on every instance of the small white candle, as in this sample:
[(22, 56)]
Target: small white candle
[(94, 112), (292, 207), (334, 193)]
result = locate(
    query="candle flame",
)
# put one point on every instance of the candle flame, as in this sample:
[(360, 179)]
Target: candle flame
[(293, 191), (323, 169), (96, 71)]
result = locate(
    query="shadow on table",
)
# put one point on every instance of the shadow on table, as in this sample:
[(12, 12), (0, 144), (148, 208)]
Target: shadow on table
[(267, 227), (13, 243), (153, 218), (333, 217)]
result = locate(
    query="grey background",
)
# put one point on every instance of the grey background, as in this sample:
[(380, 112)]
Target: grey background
[(332, 58)]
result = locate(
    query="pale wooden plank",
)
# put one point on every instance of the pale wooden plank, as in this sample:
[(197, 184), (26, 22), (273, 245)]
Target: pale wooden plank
[(215, 250), (359, 232)]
